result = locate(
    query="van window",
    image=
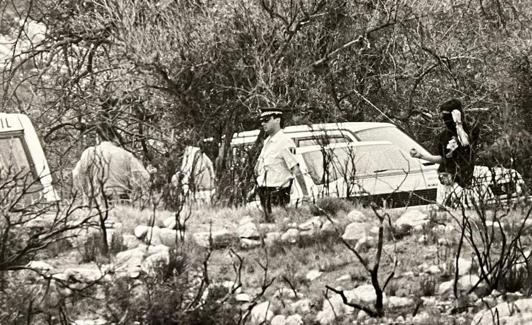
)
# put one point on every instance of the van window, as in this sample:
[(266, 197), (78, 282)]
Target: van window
[(13, 158), (320, 140), (328, 165)]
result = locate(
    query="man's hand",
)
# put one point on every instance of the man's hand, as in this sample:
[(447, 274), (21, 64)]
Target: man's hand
[(415, 154)]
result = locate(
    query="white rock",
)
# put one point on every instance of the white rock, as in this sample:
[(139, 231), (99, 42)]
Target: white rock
[(278, 320), (328, 227), (294, 320), (365, 243), (412, 218), (517, 312), (141, 231), (313, 223), (40, 266), (220, 238), (356, 216), (464, 266), (313, 274), (247, 243), (243, 297), (248, 230), (261, 313), (354, 231), (399, 302), (422, 318), (290, 236), (445, 287), (170, 223), (272, 238), (345, 277), (302, 306)]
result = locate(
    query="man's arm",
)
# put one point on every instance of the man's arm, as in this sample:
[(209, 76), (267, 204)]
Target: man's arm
[(300, 179), (432, 158)]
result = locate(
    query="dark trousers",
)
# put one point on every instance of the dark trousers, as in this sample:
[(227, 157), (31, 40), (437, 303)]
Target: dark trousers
[(273, 196)]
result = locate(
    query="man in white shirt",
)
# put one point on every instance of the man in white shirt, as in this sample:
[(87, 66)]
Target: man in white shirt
[(277, 164)]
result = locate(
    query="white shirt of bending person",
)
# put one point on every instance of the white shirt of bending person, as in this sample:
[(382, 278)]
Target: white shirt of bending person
[(273, 168), (109, 169)]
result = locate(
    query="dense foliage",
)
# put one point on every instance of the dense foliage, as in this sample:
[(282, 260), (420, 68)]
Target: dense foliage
[(169, 73)]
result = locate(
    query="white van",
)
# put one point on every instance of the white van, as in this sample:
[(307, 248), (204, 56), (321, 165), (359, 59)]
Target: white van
[(22, 158), (497, 184)]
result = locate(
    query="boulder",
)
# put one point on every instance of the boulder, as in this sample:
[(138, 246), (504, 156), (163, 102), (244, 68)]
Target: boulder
[(220, 238), (295, 319), (272, 238), (248, 230), (313, 224), (261, 313), (354, 231), (517, 312), (356, 216), (412, 218), (312, 275), (291, 236)]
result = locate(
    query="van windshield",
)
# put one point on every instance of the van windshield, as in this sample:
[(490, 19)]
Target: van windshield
[(393, 135)]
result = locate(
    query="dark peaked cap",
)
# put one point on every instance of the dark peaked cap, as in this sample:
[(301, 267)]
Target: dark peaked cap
[(265, 112)]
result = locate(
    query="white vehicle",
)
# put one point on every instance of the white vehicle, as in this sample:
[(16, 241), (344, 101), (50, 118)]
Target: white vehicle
[(370, 171), (22, 158), (493, 184)]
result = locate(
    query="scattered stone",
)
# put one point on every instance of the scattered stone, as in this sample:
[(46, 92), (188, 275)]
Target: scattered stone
[(243, 297), (272, 238), (399, 302), (364, 243), (517, 312), (130, 241), (220, 238), (356, 216), (327, 228), (412, 218), (313, 274), (278, 320), (246, 243), (290, 236), (313, 223), (422, 318), (464, 266), (354, 231), (141, 231), (302, 306), (267, 227), (345, 277), (295, 319), (422, 239), (261, 313), (248, 230), (40, 266), (170, 223)]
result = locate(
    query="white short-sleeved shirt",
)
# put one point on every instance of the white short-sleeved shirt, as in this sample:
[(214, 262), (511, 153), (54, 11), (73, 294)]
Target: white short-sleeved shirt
[(276, 160)]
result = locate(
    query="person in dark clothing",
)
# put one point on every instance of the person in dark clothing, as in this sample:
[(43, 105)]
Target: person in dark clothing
[(455, 150)]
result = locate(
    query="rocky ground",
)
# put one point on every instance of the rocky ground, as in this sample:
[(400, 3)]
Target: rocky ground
[(292, 271)]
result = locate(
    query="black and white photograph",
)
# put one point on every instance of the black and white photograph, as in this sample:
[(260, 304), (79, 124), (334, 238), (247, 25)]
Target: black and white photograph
[(265, 162)]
